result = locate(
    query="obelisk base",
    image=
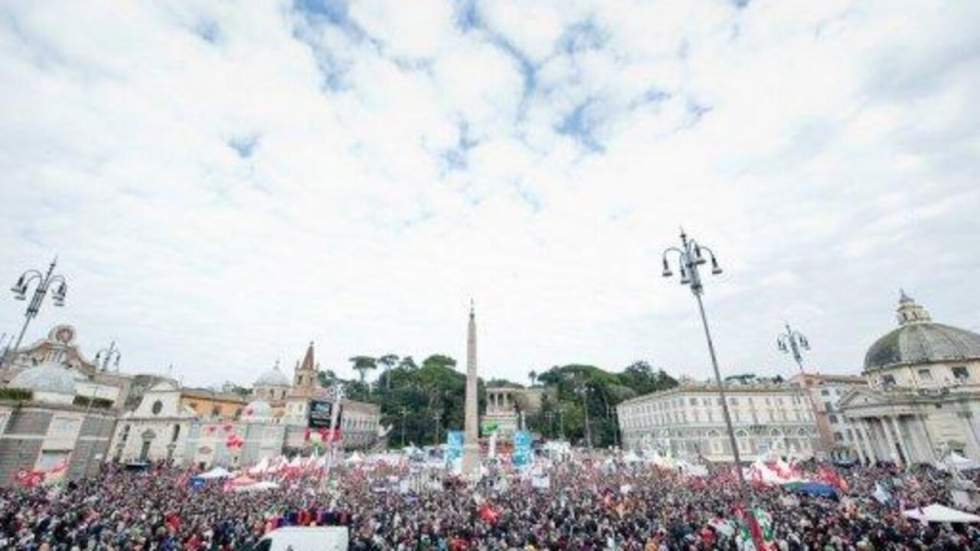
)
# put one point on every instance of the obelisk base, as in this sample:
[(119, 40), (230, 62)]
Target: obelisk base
[(471, 461)]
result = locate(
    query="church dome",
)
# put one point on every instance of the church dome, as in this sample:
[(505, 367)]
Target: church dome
[(47, 377), (919, 340), (273, 377)]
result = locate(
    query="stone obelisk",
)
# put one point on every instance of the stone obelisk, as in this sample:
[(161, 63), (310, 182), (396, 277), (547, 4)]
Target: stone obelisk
[(471, 442)]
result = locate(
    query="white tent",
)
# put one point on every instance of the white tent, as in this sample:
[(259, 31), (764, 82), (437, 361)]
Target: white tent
[(960, 463), (217, 472), (258, 486), (261, 467), (355, 458), (940, 513)]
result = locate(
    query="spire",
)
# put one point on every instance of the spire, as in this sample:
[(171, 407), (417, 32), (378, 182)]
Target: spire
[(308, 359), (910, 311), (902, 297), (472, 309)]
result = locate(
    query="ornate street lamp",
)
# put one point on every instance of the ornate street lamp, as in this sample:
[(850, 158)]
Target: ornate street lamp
[(690, 257), (793, 342), (44, 282), (107, 356)]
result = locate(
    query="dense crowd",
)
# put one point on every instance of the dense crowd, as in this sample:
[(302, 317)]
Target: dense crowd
[(589, 503)]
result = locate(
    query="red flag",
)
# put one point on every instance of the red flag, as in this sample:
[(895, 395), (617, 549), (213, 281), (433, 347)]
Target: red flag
[(488, 514)]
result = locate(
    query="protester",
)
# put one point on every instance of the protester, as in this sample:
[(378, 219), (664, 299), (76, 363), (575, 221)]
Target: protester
[(590, 502)]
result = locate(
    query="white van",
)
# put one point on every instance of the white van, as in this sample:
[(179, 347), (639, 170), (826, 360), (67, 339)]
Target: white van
[(303, 538)]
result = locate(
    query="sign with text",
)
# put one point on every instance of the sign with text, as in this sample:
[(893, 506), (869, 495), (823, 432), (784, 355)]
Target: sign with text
[(321, 414)]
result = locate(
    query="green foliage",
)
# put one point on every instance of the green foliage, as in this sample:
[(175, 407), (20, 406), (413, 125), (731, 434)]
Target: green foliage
[(438, 360), (429, 399), (19, 394), (585, 396)]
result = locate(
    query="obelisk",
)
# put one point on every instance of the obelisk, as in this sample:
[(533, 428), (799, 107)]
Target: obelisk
[(471, 441)]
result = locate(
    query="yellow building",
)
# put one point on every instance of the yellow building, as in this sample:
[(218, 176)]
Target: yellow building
[(212, 404)]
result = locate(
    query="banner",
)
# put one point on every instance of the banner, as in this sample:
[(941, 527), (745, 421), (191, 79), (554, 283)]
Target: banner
[(523, 455), (321, 414), (489, 427), (454, 448)]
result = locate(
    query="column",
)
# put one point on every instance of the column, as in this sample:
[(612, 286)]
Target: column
[(856, 440), (869, 447), (908, 448), (892, 452), (924, 437)]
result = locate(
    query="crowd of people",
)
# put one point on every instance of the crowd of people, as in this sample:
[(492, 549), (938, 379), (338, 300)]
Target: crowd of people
[(587, 502)]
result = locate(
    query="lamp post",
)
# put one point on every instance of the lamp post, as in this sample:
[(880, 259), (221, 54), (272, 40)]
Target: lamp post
[(108, 355), (690, 256), (583, 391), (614, 416), (437, 417), (44, 281), (793, 342), (404, 411)]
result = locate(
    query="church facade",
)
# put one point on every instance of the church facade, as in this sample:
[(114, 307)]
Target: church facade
[(923, 395), (207, 428)]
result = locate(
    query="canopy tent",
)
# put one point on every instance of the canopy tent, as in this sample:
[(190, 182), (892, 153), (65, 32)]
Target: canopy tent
[(217, 472), (261, 467), (256, 487), (631, 457), (957, 461), (816, 489), (355, 458), (939, 513), (241, 481)]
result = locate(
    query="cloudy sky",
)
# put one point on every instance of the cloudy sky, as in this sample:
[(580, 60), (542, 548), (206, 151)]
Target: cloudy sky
[(226, 181)]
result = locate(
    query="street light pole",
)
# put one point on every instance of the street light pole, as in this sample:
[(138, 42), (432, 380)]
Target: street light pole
[(34, 306), (614, 416), (584, 392), (111, 355), (793, 342), (403, 412), (438, 420), (690, 256)]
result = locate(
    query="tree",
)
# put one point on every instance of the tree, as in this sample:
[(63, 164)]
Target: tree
[(533, 375), (388, 361), (439, 360), (362, 364)]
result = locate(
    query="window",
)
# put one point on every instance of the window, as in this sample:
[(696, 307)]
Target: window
[(829, 406), (157, 407), (838, 437), (888, 380), (215, 411), (693, 401), (833, 419), (925, 374), (825, 392), (961, 373)]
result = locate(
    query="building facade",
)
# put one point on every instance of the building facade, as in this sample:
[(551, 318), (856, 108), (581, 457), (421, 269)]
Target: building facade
[(507, 404), (923, 394), (688, 421), (44, 429), (206, 428), (838, 438)]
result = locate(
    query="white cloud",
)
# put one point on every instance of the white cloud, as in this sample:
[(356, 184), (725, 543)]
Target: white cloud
[(225, 183)]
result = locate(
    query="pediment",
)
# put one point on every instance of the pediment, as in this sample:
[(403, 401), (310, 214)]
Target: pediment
[(862, 397)]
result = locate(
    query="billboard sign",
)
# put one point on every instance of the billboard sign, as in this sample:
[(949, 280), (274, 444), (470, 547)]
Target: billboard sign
[(321, 414)]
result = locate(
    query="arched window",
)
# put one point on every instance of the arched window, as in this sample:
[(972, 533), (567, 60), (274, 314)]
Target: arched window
[(176, 433), (742, 438)]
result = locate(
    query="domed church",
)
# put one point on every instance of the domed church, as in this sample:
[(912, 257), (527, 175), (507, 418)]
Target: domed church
[(923, 395)]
